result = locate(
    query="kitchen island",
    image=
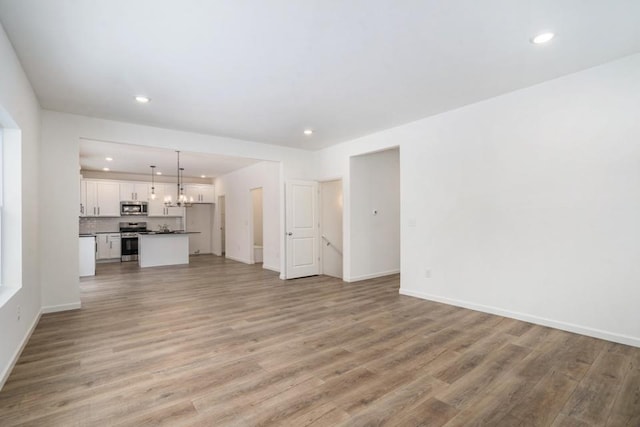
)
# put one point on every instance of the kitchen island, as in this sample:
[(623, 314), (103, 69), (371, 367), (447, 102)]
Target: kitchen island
[(155, 249)]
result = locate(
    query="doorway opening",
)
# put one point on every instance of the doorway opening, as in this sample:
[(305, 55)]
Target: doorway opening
[(256, 230), (221, 206), (331, 209), (375, 214)]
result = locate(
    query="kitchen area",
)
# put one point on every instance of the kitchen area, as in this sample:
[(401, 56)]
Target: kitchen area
[(142, 221)]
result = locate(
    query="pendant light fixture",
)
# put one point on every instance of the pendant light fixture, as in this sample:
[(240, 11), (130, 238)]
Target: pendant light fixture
[(181, 199), (153, 186)]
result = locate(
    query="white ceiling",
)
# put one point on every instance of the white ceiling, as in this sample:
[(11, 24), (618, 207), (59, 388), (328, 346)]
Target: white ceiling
[(136, 159), (266, 70)]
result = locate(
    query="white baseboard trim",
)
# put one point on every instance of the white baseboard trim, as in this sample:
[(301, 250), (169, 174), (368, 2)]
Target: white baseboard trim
[(18, 352), (242, 260), (569, 327), (270, 267), (371, 276), (61, 307)]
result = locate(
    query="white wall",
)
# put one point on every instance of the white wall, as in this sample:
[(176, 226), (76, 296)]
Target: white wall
[(256, 200), (59, 218), (525, 204), (20, 117), (236, 187), (375, 238)]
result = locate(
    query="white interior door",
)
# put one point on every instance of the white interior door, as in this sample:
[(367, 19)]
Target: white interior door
[(302, 228)]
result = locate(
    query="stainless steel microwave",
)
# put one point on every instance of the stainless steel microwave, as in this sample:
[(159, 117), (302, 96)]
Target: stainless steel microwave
[(134, 208)]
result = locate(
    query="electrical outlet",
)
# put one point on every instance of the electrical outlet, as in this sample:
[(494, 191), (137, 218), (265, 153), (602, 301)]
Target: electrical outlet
[(427, 274), (19, 312)]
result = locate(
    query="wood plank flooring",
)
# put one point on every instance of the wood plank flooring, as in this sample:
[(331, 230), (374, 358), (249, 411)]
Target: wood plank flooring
[(220, 343)]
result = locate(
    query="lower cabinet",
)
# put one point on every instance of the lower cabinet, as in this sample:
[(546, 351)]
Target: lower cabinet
[(108, 246)]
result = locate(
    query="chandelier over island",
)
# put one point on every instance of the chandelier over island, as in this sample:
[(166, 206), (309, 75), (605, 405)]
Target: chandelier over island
[(181, 199)]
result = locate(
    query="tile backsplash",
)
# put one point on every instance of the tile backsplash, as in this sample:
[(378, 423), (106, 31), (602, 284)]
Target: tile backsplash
[(112, 225)]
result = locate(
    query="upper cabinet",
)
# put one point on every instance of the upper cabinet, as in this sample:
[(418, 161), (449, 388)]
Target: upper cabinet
[(101, 198), (199, 193), (134, 191), (83, 197), (157, 206)]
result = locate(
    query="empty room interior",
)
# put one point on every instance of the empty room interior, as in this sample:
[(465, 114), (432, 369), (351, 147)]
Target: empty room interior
[(317, 213)]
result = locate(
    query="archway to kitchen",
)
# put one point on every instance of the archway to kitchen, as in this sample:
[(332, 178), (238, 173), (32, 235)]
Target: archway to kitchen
[(132, 188)]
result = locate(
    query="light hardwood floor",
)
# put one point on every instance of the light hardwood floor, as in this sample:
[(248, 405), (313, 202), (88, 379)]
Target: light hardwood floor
[(222, 343)]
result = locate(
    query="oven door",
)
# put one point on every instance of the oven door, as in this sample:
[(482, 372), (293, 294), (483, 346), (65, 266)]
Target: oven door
[(129, 245)]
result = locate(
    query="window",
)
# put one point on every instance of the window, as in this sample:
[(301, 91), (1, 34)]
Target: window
[(10, 207), (10, 210), (1, 199)]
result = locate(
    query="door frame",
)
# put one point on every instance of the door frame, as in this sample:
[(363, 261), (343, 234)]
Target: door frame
[(252, 259), (219, 208)]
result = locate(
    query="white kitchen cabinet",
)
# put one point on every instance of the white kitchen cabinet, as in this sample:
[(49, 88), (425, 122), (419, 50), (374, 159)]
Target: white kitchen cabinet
[(102, 198), (116, 245), (175, 211), (109, 245), (157, 207), (83, 197), (134, 191), (199, 193)]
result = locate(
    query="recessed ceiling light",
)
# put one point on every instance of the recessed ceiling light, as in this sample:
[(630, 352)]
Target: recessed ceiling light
[(142, 99), (158, 173), (108, 159), (308, 131), (542, 38), (203, 176), (106, 169)]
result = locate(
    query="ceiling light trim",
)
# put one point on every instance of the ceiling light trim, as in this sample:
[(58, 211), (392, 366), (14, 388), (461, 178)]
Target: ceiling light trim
[(543, 38)]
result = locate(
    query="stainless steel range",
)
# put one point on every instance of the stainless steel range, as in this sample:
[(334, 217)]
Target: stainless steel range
[(129, 238)]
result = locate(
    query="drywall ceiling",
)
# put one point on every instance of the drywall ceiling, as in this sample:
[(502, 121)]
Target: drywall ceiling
[(266, 70), (135, 159)]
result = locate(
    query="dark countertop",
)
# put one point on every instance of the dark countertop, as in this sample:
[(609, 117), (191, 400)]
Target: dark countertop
[(161, 233), (139, 232)]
